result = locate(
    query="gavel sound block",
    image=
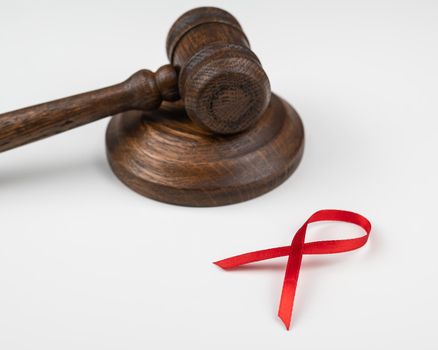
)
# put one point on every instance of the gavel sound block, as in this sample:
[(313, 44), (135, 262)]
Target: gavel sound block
[(203, 131)]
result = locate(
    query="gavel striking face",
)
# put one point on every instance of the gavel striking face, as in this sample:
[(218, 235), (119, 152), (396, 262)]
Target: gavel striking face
[(224, 90)]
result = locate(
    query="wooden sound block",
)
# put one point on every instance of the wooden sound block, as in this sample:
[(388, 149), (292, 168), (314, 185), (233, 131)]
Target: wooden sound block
[(165, 156)]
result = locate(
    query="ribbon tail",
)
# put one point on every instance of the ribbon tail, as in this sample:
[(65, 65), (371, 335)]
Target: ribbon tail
[(291, 275), (256, 256), (287, 299)]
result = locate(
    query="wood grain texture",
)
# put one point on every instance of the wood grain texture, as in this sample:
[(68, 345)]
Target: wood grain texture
[(165, 156), (222, 82), (142, 91)]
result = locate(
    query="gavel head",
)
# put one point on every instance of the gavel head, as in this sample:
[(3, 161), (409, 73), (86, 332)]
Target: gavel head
[(221, 81)]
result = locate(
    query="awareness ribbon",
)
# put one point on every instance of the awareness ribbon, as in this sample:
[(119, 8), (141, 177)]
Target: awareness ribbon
[(296, 250)]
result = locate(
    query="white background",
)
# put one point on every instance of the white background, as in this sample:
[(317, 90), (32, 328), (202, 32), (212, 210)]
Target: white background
[(85, 263)]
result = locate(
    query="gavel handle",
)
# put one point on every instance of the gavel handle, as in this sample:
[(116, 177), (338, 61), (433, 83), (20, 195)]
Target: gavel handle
[(144, 90)]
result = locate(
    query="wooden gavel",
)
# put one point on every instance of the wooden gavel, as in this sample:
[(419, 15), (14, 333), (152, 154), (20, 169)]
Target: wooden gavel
[(220, 80), (224, 90)]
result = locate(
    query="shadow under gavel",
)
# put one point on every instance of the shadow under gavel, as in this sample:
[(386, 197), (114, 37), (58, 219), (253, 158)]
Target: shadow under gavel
[(224, 91)]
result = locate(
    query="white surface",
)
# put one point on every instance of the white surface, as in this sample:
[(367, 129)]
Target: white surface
[(85, 263)]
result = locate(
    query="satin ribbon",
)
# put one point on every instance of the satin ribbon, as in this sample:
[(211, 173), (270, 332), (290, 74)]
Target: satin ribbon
[(296, 250)]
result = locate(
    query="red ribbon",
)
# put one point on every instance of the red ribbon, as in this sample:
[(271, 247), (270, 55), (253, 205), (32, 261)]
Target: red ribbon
[(296, 250)]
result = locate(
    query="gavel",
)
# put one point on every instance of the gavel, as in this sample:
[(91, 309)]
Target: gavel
[(218, 82), (221, 82)]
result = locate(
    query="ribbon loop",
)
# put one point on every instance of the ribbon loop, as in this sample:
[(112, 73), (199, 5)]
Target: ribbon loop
[(296, 250)]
